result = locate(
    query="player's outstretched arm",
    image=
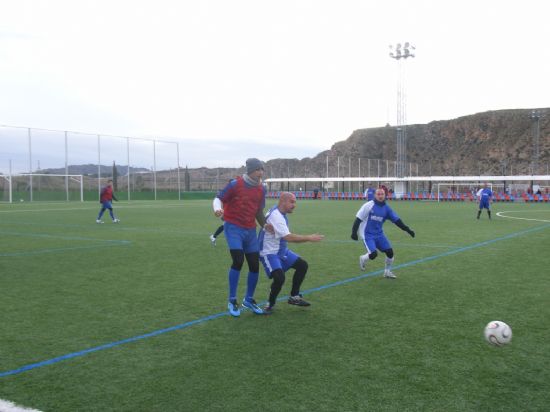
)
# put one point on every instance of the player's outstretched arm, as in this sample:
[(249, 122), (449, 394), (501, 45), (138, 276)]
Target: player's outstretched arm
[(355, 228), (404, 227), (217, 205), (294, 238)]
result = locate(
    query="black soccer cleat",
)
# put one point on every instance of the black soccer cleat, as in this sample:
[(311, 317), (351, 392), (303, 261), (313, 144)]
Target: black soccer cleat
[(298, 301), (268, 309)]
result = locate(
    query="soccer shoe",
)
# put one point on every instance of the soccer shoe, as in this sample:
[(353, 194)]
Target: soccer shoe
[(298, 301), (389, 274), (99, 221), (253, 306), (363, 259), (233, 307), (268, 310), (115, 220), (213, 240)]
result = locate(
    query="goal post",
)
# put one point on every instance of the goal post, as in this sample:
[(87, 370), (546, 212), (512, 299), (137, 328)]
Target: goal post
[(454, 190), (41, 187)]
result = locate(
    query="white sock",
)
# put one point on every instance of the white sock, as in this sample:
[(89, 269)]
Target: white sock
[(389, 263)]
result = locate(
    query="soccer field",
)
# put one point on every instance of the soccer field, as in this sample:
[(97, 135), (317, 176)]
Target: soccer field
[(132, 316)]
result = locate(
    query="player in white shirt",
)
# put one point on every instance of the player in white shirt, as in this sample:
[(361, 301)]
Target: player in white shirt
[(277, 258)]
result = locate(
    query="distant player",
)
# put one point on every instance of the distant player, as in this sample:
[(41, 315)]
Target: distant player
[(106, 198), (485, 195), (277, 258), (369, 193), (213, 236), (369, 221), (241, 204)]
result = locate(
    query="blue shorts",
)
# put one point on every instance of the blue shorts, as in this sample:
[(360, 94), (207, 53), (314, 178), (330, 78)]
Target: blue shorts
[(240, 238), (484, 204), (274, 262), (106, 205), (379, 242)]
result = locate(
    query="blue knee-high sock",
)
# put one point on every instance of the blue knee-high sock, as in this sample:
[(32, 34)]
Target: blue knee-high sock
[(251, 284), (101, 213), (112, 214), (233, 283)]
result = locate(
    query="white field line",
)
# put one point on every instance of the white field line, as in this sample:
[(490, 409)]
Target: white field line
[(501, 214), (6, 406)]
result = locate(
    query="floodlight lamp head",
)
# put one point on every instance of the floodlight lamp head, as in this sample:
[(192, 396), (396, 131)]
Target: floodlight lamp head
[(398, 46), (406, 44)]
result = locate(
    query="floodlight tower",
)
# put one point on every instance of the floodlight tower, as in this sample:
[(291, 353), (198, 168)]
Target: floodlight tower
[(401, 53), (535, 117)]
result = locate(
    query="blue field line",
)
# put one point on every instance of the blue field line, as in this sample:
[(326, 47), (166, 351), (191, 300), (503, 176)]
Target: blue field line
[(62, 237), (120, 228), (110, 345), (221, 314), (105, 243)]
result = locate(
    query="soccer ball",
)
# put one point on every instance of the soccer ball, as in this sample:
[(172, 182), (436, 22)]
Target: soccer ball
[(498, 333)]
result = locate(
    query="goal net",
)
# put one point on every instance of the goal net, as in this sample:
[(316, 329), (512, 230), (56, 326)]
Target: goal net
[(29, 187)]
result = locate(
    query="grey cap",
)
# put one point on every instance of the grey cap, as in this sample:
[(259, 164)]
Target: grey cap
[(253, 164)]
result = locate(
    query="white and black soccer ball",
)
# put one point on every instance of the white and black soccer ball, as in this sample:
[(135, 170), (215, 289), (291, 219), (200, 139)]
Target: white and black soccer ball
[(498, 333)]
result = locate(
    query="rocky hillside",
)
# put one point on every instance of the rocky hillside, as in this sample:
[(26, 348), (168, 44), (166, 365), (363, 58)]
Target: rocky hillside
[(492, 142)]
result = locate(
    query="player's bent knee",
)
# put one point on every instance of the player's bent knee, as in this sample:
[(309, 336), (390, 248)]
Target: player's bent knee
[(301, 265), (238, 259), (389, 253), (278, 277), (373, 255)]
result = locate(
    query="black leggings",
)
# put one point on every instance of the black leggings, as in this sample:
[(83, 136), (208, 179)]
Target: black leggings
[(253, 260), (278, 277)]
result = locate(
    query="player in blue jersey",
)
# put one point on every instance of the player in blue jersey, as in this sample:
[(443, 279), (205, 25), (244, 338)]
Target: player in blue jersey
[(369, 193), (277, 258), (485, 196), (369, 221), (241, 204)]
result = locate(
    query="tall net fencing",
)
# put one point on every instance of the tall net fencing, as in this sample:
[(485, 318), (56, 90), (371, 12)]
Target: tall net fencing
[(141, 169)]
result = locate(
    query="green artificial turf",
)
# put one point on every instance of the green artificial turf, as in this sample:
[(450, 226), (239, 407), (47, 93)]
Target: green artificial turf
[(369, 343)]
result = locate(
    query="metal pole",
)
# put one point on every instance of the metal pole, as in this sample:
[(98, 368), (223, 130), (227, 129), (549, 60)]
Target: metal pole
[(128, 163), (179, 181), (66, 167), (10, 185), (155, 167), (349, 174), (98, 165), (338, 173), (30, 164), (368, 167)]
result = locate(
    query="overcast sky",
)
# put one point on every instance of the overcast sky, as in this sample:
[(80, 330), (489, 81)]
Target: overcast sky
[(242, 78)]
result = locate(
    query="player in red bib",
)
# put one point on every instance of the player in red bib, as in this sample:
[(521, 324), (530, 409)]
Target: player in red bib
[(241, 204), (106, 198)]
